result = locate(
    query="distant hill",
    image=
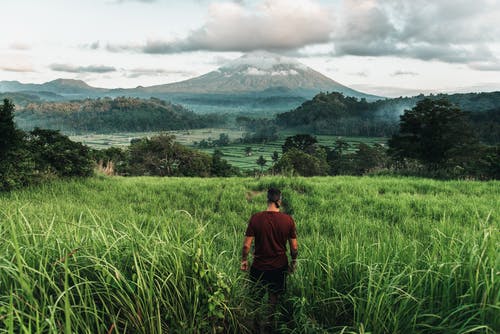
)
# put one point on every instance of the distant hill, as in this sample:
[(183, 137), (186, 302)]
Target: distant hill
[(335, 113), (104, 115), (59, 86)]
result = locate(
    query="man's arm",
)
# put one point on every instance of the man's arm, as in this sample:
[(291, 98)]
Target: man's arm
[(247, 243), (294, 252)]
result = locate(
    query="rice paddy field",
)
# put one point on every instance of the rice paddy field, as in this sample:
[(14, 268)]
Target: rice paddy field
[(162, 255), (235, 153), (237, 156)]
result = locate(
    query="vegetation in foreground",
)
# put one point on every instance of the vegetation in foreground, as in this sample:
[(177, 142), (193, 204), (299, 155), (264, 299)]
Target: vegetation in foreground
[(161, 255)]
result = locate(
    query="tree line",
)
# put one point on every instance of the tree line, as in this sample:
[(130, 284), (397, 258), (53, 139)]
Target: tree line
[(434, 139), (110, 115), (39, 155), (334, 113), (31, 157)]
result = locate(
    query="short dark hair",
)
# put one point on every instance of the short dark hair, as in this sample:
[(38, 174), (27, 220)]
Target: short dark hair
[(273, 195)]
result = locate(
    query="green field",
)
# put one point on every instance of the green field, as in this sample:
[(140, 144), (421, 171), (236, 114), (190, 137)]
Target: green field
[(121, 139), (151, 255), (234, 153)]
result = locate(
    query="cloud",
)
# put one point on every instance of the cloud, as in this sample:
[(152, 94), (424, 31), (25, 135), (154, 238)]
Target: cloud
[(485, 66), (20, 46), (82, 69), (139, 72), (363, 74), (143, 1), (404, 73), (19, 69), (453, 31), (231, 26)]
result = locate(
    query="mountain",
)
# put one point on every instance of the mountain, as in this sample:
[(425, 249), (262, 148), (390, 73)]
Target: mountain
[(259, 72), (60, 87), (256, 81)]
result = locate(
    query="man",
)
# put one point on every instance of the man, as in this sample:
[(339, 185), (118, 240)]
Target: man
[(271, 231)]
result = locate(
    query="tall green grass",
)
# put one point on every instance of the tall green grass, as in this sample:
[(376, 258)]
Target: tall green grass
[(151, 255)]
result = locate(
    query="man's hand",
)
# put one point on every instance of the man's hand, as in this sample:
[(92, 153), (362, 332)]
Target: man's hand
[(244, 265), (291, 267)]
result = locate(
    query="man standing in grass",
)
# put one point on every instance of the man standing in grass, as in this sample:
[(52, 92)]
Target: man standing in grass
[(271, 231)]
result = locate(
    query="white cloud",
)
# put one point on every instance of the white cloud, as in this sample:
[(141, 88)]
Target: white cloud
[(271, 25), (453, 31), (82, 69), (16, 68)]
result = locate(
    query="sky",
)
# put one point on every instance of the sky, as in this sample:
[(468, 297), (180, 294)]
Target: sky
[(382, 47)]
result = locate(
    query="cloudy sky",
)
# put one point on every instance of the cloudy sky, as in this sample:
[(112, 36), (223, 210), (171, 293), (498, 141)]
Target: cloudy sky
[(384, 47)]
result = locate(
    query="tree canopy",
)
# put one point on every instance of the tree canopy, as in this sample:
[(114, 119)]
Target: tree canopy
[(432, 132)]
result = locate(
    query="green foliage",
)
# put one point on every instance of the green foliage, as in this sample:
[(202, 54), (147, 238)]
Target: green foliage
[(302, 142), (162, 156), (259, 130), (221, 167), (16, 165), (161, 255), (54, 153), (10, 137), (333, 113), (29, 158), (297, 162), (261, 161), (432, 132), (112, 115)]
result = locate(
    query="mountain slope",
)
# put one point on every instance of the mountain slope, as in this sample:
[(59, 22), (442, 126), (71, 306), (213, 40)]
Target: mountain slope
[(58, 86), (258, 72)]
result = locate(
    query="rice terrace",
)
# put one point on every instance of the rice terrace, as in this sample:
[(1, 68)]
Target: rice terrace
[(156, 255)]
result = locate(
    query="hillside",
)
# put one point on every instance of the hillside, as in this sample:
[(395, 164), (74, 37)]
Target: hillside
[(337, 114), (111, 115), (259, 72)]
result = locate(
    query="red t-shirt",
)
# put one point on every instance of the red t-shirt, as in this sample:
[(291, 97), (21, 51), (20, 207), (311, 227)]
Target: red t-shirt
[(271, 231)]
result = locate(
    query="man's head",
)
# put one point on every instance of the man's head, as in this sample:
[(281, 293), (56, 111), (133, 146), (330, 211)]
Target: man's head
[(274, 196)]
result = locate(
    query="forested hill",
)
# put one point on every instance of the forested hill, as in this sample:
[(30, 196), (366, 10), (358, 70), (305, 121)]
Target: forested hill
[(109, 115), (334, 113)]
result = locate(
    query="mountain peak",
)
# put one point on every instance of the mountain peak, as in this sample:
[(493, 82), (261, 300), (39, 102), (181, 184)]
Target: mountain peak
[(258, 72), (69, 83), (262, 61)]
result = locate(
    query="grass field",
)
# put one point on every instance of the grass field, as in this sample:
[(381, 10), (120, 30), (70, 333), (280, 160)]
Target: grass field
[(235, 154), (151, 255)]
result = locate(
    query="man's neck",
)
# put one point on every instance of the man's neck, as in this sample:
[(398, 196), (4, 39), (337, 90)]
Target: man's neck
[(272, 207)]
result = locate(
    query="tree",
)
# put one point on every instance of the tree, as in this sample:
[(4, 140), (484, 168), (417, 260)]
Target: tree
[(221, 167), (275, 156), (16, 166), (248, 151), (295, 161), (162, 156), (368, 158), (303, 142), (433, 132), (261, 162), (10, 137), (55, 153), (223, 140)]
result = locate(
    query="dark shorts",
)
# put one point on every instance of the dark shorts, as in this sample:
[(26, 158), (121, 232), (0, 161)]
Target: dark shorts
[(274, 280)]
